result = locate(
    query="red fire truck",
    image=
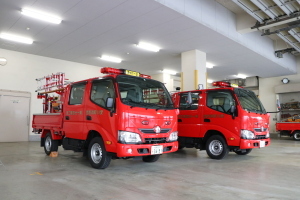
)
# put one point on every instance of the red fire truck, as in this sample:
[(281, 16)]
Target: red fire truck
[(124, 114), (221, 119)]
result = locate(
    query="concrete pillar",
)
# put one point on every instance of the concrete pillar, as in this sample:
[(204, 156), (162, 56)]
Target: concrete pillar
[(193, 70), (166, 79)]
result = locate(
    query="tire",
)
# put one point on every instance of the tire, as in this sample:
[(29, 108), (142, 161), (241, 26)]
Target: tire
[(216, 147), (296, 135), (152, 158), (243, 151), (49, 144), (97, 155)]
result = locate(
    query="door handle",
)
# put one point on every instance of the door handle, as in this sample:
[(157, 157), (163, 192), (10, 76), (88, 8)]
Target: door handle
[(67, 117), (88, 117), (206, 120)]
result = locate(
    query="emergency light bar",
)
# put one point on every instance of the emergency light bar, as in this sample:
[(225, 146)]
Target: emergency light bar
[(109, 70), (224, 84)]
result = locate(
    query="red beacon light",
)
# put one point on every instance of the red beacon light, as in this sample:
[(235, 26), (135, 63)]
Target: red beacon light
[(224, 84), (109, 70)]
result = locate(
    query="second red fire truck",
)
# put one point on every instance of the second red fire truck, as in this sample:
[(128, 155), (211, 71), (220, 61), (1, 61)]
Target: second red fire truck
[(221, 119), (121, 115)]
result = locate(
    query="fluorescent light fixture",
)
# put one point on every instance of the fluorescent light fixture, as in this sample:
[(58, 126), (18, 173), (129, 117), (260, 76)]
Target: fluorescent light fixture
[(167, 71), (210, 81), (41, 15), (16, 38), (148, 46), (3, 61), (241, 76), (111, 59), (209, 65)]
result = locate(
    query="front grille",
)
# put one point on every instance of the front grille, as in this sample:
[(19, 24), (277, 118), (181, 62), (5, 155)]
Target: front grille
[(259, 130), (166, 130), (155, 140), (258, 137)]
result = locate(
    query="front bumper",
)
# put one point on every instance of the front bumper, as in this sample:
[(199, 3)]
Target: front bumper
[(132, 150), (251, 144)]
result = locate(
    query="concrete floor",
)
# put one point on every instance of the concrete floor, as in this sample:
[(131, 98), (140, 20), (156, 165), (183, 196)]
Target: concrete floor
[(267, 173)]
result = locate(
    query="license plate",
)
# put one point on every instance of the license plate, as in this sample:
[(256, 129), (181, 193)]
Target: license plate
[(156, 150), (132, 73), (262, 143)]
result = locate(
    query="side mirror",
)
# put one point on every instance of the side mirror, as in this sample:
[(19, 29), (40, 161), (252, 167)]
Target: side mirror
[(189, 98), (109, 102), (233, 111)]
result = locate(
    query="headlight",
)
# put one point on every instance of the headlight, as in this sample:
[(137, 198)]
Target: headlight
[(173, 136), (129, 137), (246, 134)]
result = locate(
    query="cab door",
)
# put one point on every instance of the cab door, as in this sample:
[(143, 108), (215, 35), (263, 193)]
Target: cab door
[(97, 115), (189, 115), (217, 113), (74, 122)]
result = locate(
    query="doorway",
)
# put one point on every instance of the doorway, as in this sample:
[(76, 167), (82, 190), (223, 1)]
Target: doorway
[(14, 116)]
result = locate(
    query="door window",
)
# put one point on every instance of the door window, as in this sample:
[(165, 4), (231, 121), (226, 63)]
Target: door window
[(101, 90), (220, 100), (184, 105), (77, 92)]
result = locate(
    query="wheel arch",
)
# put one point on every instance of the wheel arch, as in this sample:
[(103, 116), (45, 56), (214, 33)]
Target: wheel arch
[(210, 133), (91, 134)]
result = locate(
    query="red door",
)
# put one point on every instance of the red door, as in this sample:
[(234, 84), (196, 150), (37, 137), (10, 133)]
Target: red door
[(189, 117), (74, 122)]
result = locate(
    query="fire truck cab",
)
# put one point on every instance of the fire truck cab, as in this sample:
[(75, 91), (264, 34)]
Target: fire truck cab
[(221, 119), (124, 114)]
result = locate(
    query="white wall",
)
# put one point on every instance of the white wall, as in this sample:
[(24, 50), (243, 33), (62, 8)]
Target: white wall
[(267, 92), (22, 69)]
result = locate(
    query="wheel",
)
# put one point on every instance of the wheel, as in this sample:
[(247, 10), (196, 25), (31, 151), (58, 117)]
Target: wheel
[(49, 144), (97, 154), (216, 147), (243, 151), (152, 158), (296, 135)]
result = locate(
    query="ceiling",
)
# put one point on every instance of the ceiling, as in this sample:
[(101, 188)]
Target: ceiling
[(89, 30)]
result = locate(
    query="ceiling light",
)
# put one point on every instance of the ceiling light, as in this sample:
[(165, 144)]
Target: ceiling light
[(3, 61), (241, 76), (209, 65), (148, 46), (210, 81), (111, 59), (166, 71), (16, 38), (41, 15)]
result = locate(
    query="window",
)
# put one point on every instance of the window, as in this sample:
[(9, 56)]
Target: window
[(142, 92), (249, 101), (77, 92), (183, 105), (101, 90), (220, 100)]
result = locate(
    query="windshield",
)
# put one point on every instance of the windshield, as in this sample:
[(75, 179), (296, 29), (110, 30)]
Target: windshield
[(142, 92), (249, 101)]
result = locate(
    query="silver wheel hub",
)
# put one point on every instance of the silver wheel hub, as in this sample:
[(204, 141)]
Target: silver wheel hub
[(216, 147), (96, 153), (297, 136), (48, 143)]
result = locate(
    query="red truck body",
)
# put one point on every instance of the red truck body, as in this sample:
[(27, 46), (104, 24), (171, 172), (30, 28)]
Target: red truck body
[(220, 120), (291, 129), (116, 116)]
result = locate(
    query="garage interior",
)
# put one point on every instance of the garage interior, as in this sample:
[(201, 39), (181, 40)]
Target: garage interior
[(252, 43)]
